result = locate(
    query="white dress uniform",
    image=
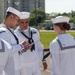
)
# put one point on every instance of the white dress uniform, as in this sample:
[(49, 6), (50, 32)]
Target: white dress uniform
[(62, 50), (30, 59), (8, 36)]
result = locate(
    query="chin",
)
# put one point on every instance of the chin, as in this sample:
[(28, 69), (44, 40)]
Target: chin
[(24, 28)]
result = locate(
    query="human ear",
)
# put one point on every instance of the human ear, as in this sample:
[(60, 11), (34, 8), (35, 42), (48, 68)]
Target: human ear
[(11, 16)]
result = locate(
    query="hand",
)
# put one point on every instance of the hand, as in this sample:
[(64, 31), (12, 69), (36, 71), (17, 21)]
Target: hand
[(26, 45), (44, 65)]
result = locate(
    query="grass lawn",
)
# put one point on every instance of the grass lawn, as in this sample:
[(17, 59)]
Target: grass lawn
[(47, 37)]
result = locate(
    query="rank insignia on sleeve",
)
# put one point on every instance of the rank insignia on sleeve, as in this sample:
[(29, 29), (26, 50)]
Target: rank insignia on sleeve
[(2, 31), (34, 32)]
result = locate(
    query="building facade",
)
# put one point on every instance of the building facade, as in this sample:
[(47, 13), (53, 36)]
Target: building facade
[(22, 5), (1, 10), (28, 5)]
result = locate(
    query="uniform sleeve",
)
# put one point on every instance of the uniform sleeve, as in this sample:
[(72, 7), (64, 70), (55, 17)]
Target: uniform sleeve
[(54, 61), (3, 60), (15, 47), (40, 47), (4, 35), (4, 54), (7, 57)]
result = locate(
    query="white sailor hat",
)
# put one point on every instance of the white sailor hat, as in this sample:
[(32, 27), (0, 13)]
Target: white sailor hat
[(60, 19), (14, 11), (24, 15)]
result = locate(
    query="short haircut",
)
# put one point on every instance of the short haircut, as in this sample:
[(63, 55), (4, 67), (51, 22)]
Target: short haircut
[(8, 14)]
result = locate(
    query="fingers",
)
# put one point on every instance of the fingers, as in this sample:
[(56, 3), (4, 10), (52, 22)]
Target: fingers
[(45, 66), (26, 45)]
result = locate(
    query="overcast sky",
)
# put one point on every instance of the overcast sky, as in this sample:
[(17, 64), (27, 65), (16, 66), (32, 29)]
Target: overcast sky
[(59, 6)]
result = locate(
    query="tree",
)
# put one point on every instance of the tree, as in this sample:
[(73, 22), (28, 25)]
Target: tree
[(37, 16)]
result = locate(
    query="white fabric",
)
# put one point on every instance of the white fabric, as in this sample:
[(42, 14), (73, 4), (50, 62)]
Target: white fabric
[(30, 69), (15, 60), (60, 19), (5, 56), (24, 15), (62, 61), (31, 57), (14, 11)]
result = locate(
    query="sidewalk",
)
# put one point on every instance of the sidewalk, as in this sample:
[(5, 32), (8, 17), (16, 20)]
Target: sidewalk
[(47, 72)]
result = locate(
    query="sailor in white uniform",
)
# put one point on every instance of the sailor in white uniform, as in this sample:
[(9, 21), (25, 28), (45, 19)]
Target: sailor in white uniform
[(30, 59), (6, 33), (62, 48)]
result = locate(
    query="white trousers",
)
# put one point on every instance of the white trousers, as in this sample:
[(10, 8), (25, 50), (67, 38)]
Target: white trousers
[(30, 69)]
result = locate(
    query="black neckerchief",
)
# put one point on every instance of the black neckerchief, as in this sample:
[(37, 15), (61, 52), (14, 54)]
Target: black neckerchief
[(14, 36), (30, 39)]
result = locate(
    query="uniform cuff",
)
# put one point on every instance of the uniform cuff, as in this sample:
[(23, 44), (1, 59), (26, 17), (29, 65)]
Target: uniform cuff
[(22, 47), (43, 60)]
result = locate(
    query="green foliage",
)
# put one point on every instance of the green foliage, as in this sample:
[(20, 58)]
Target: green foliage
[(32, 19), (35, 14), (70, 14), (72, 19), (65, 14)]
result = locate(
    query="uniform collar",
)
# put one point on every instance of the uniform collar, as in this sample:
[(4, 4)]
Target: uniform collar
[(23, 30), (64, 35), (3, 25), (26, 30)]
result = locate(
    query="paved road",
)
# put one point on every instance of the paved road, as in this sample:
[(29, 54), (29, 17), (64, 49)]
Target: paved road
[(47, 72)]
